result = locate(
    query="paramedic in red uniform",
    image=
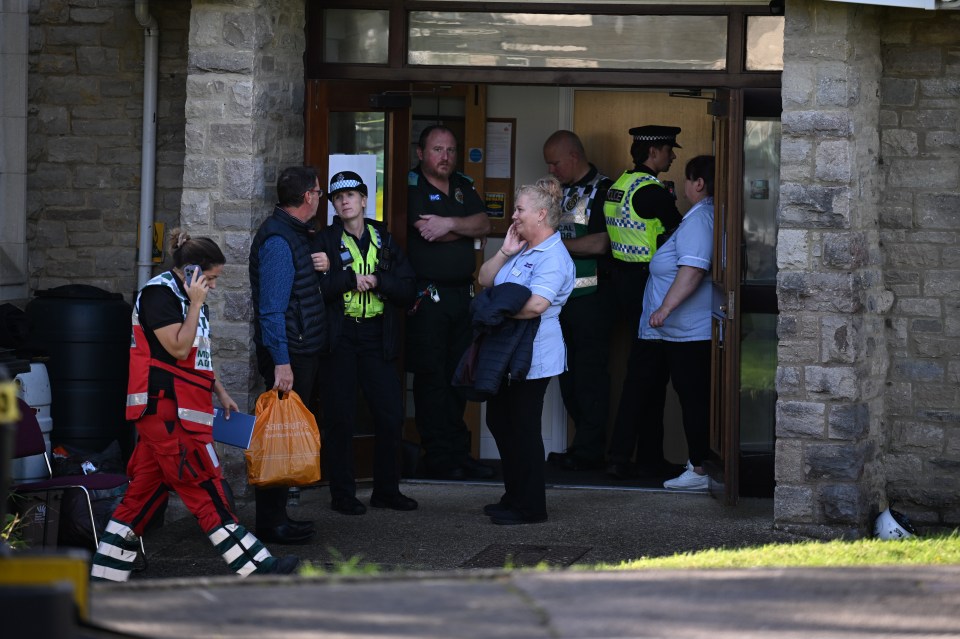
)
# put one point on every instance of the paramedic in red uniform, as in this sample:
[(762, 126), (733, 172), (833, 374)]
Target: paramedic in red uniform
[(170, 396)]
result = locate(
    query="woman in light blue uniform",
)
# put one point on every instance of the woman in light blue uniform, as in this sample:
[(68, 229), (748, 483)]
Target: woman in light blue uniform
[(533, 256), (675, 328)]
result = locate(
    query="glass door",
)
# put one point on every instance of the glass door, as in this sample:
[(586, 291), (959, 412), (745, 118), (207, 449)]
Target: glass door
[(758, 291), (377, 123), (342, 125), (745, 298)]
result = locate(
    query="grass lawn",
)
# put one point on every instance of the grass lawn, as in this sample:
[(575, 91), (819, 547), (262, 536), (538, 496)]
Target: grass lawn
[(938, 549), (930, 550)]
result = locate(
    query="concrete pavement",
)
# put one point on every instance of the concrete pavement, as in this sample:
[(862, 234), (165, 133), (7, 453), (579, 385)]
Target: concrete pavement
[(725, 604), (422, 591)]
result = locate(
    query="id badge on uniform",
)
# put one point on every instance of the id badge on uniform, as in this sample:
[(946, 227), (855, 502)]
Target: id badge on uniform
[(515, 272)]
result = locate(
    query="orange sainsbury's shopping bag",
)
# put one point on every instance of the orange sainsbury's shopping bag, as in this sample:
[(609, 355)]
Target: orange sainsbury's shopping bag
[(285, 446)]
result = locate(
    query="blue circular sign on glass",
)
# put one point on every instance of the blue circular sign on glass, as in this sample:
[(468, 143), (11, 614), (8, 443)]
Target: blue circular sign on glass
[(475, 155)]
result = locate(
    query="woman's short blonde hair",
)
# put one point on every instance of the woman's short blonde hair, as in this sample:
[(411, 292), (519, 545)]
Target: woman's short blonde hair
[(546, 194)]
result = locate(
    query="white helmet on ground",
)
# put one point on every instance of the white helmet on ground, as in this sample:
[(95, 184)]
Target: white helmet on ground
[(891, 524)]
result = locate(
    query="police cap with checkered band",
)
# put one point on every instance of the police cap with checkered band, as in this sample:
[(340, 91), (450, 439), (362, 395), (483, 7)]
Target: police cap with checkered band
[(346, 181), (656, 133)]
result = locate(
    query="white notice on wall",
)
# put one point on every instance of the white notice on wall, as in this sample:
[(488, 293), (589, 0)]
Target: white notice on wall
[(499, 148)]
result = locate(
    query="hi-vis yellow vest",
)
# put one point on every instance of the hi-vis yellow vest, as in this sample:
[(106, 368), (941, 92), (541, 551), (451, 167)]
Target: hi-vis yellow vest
[(368, 303), (633, 238)]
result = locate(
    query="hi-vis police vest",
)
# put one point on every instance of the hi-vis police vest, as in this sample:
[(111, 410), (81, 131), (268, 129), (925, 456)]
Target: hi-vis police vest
[(633, 237), (193, 377), (574, 214), (367, 304)]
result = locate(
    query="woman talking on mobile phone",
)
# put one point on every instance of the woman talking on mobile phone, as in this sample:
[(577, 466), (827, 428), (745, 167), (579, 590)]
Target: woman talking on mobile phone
[(534, 260), (170, 397)]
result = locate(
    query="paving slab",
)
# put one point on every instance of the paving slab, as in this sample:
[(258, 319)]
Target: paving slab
[(796, 603), (420, 590), (433, 607), (835, 603)]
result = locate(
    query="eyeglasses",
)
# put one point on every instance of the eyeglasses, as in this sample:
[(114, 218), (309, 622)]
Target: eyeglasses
[(319, 192)]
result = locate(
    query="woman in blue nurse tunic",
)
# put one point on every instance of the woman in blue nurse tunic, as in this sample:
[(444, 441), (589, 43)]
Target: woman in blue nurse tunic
[(676, 326), (532, 256)]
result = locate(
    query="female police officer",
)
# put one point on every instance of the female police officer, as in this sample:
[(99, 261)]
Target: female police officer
[(367, 286)]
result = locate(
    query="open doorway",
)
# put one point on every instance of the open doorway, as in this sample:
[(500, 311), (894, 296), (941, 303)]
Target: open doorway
[(601, 117)]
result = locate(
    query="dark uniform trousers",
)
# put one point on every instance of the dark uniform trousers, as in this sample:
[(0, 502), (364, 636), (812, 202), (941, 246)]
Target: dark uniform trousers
[(437, 336), (652, 364), (357, 360), (513, 417), (586, 322), (629, 281), (272, 502)]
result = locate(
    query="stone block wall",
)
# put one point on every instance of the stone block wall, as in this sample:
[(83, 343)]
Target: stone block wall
[(244, 123), (85, 97), (920, 235), (14, 23), (832, 297)]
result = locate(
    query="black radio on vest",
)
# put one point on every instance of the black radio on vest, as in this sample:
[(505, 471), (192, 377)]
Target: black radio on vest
[(345, 256)]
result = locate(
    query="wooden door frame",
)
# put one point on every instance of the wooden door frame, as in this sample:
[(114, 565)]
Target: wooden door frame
[(725, 360), (354, 96), (323, 97), (320, 99)]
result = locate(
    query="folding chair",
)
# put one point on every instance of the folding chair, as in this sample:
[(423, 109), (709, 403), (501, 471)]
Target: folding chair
[(29, 441)]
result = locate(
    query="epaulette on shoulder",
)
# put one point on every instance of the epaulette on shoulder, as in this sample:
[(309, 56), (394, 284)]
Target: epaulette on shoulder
[(466, 178), (413, 178), (377, 224)]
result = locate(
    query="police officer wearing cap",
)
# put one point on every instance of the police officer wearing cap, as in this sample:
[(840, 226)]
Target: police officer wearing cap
[(640, 212), (367, 285), (444, 216)]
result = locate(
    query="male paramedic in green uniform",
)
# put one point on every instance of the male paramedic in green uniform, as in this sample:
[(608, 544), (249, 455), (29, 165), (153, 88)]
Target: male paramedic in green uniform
[(444, 216), (640, 213)]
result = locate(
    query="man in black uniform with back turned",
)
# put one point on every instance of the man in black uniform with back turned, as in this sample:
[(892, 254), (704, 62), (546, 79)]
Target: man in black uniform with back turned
[(640, 213), (444, 215)]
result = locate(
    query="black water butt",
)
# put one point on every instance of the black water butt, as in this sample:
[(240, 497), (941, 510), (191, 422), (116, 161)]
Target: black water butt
[(85, 333)]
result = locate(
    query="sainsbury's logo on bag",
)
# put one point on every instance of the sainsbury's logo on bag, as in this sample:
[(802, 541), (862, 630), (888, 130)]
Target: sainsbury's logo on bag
[(287, 426), (285, 446)]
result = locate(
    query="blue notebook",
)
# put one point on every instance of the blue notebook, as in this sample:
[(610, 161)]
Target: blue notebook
[(235, 431)]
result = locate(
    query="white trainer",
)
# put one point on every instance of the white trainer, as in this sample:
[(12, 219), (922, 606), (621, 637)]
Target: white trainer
[(688, 480)]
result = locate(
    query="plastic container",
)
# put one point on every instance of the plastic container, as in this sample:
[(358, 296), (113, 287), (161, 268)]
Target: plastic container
[(84, 332), (33, 387)]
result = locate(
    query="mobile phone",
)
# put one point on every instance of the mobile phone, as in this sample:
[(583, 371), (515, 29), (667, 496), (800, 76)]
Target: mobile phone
[(188, 272)]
